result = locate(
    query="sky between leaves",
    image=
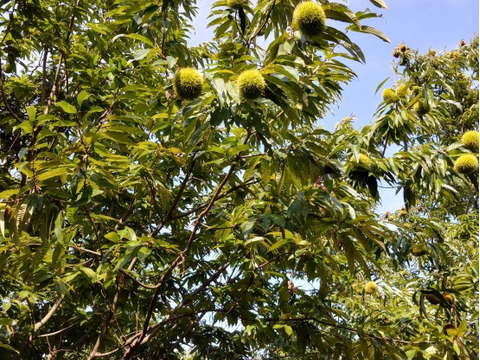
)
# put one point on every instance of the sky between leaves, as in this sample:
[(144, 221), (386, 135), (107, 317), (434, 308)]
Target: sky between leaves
[(420, 24)]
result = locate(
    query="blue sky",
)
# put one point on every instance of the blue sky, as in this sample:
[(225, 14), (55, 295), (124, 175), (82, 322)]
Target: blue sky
[(420, 24)]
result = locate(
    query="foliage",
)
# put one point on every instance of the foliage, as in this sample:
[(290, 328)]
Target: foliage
[(137, 224)]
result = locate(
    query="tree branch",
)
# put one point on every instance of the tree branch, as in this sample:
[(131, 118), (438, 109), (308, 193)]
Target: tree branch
[(127, 212), (109, 317), (255, 34), (56, 332), (49, 315), (4, 97), (175, 201), (59, 64), (181, 256), (229, 191)]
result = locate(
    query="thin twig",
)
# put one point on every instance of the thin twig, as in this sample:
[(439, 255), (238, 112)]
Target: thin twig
[(175, 201), (56, 332), (189, 212), (4, 97), (262, 26)]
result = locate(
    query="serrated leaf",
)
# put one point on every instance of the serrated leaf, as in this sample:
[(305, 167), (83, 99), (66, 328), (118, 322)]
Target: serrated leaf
[(171, 61), (370, 30), (341, 12), (355, 50), (456, 348), (379, 3), (112, 236), (58, 227), (278, 244)]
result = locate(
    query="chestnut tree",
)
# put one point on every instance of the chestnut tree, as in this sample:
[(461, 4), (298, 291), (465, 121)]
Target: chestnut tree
[(166, 201)]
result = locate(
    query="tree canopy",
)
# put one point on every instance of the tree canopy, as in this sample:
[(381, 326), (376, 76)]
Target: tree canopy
[(166, 201)]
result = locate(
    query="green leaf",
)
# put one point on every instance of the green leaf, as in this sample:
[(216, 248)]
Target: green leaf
[(141, 54), (92, 275), (6, 346), (341, 12), (381, 84), (52, 173), (456, 348), (355, 50), (112, 236), (68, 108), (171, 61), (31, 113), (379, 3), (82, 96), (58, 228), (289, 71), (198, 133), (370, 30), (27, 127), (237, 149), (136, 37), (6, 194)]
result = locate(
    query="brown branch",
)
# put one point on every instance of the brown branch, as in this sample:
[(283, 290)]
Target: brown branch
[(54, 85), (79, 248), (127, 213), (56, 332), (108, 353), (153, 287), (60, 60), (255, 34), (343, 327), (175, 201), (228, 192), (250, 283), (109, 317), (112, 309), (317, 69), (153, 330), (136, 281), (188, 298), (97, 234), (238, 29), (181, 256), (38, 325), (169, 318), (43, 97)]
